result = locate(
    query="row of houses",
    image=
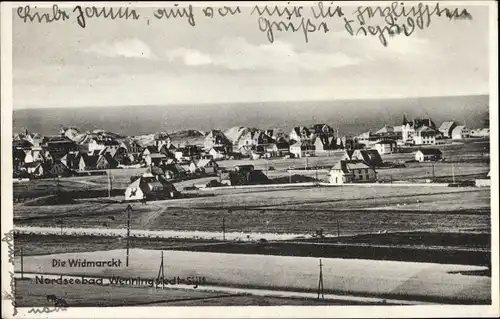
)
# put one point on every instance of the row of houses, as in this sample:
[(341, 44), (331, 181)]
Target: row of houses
[(359, 166), (418, 131)]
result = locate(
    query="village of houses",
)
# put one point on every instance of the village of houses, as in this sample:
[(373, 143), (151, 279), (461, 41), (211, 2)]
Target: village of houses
[(167, 157)]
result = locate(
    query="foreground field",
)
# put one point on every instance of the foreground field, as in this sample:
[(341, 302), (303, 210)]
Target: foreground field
[(348, 210), (398, 280), (29, 294)]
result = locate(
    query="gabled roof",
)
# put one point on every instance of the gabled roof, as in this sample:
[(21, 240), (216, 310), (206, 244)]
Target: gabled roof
[(218, 149), (151, 149), (386, 129), (58, 163), (323, 141), (416, 123), (430, 151), (446, 126), (347, 166), (21, 143), (299, 129), (458, 129), (106, 157), (424, 128), (32, 164), (90, 160), (203, 162), (349, 153), (155, 170)]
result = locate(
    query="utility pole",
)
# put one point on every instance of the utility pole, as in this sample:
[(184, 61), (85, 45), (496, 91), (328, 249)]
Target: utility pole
[(320, 283), (338, 228), (433, 174), (22, 263), (161, 272), (61, 222), (129, 209), (223, 228), (289, 176)]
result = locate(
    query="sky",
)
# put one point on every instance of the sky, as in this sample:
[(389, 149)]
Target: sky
[(154, 61)]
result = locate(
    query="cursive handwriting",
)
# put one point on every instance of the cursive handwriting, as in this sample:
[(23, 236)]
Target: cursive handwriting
[(176, 13), (47, 310), (400, 20), (9, 239), (11, 296), (384, 22), (106, 13), (56, 15), (305, 26)]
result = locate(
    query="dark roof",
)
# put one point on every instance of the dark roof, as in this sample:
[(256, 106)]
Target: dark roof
[(318, 128), (372, 157), (155, 170), (244, 167), (32, 164), (219, 149), (347, 166), (151, 149), (299, 129), (21, 143), (430, 151), (90, 160), (416, 123)]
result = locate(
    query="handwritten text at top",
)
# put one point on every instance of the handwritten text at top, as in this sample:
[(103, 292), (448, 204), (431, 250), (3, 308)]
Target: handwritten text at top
[(381, 21)]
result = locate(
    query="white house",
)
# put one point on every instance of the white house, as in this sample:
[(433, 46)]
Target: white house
[(154, 159), (99, 145), (207, 165), (302, 149), (34, 155), (352, 172), (385, 147), (425, 135), (480, 132), (446, 128), (218, 153), (409, 129), (35, 168), (300, 134), (149, 187), (460, 132), (428, 154)]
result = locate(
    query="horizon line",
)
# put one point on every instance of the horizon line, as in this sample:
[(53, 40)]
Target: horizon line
[(32, 107)]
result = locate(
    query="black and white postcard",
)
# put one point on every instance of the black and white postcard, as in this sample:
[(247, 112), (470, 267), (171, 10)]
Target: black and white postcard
[(249, 159)]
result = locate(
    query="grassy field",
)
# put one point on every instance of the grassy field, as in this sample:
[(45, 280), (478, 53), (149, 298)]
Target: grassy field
[(30, 294), (52, 244), (387, 279), (445, 248), (414, 172), (302, 210)]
